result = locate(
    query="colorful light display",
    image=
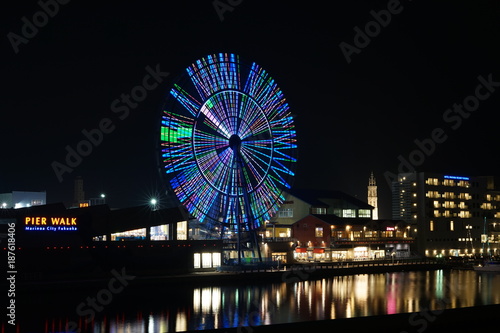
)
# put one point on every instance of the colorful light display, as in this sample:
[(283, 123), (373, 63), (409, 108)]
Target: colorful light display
[(228, 142)]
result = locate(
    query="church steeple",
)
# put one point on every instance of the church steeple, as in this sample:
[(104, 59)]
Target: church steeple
[(372, 195)]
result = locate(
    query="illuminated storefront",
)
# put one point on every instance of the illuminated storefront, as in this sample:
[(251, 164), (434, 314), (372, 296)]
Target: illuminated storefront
[(330, 238)]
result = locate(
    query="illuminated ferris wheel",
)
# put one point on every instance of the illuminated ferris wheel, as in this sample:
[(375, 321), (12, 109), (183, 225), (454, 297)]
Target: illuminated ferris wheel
[(228, 143)]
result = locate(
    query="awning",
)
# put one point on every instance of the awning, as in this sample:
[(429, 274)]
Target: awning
[(300, 249), (318, 250)]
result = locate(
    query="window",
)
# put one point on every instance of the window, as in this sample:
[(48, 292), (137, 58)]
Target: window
[(486, 205), (319, 210), (159, 232), (449, 204), (348, 213), (448, 182), (197, 260), (182, 230), (452, 226), (136, 234), (465, 214), (464, 196), (364, 213), (285, 212), (431, 225), (433, 194), (319, 232), (206, 260), (449, 195), (432, 181), (463, 183), (216, 259)]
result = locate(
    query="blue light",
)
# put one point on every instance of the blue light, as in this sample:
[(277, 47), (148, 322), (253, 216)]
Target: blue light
[(456, 177)]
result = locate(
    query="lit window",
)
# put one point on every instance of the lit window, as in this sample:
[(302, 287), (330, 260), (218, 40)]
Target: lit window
[(285, 212), (206, 260), (465, 214), (159, 232), (364, 213), (182, 230), (136, 234), (319, 210), (452, 226), (216, 259), (431, 225), (432, 181), (448, 182), (197, 260), (348, 213), (319, 232)]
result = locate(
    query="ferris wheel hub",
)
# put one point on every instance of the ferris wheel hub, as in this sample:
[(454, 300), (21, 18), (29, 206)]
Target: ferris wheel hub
[(235, 142)]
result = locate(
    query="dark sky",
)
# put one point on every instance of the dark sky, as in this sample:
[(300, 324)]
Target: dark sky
[(351, 118)]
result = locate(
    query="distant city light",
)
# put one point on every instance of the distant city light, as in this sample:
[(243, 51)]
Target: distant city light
[(456, 177), (153, 201), (103, 195)]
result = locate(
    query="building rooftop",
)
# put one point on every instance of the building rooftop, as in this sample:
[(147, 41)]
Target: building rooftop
[(324, 198)]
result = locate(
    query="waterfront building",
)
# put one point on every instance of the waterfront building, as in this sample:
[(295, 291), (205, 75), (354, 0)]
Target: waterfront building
[(52, 240), (300, 203), (326, 225), (329, 238), (451, 215)]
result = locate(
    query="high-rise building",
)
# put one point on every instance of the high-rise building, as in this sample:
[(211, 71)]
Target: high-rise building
[(450, 215), (372, 196), (79, 194)]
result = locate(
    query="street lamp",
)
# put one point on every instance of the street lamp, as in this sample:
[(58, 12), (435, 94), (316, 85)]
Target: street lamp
[(153, 203)]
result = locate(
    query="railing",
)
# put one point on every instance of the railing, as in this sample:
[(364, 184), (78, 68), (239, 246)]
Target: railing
[(331, 265), (367, 239), (278, 239)]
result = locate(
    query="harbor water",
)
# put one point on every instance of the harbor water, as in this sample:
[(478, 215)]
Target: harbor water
[(172, 307)]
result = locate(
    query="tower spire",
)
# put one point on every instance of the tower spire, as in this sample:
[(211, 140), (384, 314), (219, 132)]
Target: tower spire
[(372, 195)]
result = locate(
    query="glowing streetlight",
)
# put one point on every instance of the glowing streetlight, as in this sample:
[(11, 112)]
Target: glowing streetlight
[(153, 203)]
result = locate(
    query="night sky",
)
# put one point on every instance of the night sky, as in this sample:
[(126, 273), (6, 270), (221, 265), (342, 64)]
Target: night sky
[(351, 117)]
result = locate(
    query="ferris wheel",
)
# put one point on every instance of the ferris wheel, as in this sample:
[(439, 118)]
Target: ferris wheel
[(228, 143)]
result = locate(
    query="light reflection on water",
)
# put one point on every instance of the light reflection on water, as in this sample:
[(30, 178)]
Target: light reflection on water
[(263, 304)]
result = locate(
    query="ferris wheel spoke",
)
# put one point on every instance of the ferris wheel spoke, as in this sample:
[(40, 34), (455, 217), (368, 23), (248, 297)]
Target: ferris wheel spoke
[(187, 101), (212, 74)]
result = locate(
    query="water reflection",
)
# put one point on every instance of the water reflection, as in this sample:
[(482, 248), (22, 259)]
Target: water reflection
[(252, 305)]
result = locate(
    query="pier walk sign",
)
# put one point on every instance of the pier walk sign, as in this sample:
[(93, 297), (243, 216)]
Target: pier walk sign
[(43, 223)]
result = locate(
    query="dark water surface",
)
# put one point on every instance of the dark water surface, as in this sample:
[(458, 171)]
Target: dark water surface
[(170, 308)]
